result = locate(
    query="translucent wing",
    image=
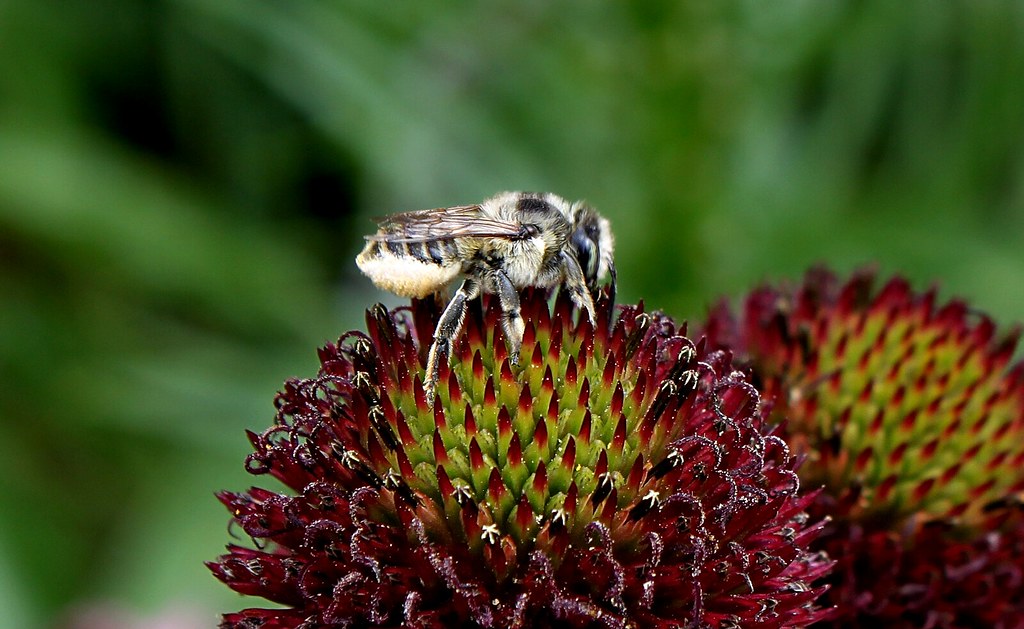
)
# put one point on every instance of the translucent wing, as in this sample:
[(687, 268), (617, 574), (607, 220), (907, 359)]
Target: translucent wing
[(463, 221)]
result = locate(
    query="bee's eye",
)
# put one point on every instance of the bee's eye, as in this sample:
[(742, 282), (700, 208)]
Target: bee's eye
[(585, 247)]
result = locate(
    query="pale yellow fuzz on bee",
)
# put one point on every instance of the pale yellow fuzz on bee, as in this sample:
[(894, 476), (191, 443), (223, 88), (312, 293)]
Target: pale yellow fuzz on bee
[(406, 276)]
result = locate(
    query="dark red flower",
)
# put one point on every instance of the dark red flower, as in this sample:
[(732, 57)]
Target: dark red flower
[(617, 477), (908, 415)]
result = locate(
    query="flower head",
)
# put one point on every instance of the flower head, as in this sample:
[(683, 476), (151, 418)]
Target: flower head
[(618, 476), (910, 418)]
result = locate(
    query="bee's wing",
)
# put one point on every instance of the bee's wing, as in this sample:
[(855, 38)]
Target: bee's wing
[(463, 221)]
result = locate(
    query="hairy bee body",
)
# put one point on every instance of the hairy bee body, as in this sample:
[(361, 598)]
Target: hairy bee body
[(502, 245)]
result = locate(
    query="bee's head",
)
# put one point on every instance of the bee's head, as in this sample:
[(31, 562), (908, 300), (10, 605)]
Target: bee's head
[(560, 224), (592, 242)]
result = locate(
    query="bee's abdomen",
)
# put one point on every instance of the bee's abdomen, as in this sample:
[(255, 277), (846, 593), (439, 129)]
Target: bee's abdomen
[(409, 269), (434, 251)]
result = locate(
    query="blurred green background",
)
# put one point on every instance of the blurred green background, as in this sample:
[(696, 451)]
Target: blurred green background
[(184, 183)]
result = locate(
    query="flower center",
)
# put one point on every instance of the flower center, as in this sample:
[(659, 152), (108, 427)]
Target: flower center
[(570, 435)]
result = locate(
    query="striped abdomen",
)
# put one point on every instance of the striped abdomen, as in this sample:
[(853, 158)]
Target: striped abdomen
[(410, 269)]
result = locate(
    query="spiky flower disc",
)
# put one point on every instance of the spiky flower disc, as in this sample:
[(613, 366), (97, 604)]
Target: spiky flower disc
[(909, 416), (616, 477)]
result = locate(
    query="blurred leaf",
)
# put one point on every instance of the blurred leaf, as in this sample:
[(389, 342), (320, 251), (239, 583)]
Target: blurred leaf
[(15, 600)]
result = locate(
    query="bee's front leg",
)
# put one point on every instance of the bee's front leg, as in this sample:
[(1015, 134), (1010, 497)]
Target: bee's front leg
[(511, 318), (448, 329), (576, 284), (612, 284)]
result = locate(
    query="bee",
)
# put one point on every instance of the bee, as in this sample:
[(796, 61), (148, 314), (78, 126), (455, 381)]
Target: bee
[(504, 244)]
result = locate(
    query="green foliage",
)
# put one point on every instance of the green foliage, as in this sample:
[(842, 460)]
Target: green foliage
[(183, 185)]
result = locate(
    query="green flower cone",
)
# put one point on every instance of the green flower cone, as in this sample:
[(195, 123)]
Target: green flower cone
[(909, 415), (617, 476)]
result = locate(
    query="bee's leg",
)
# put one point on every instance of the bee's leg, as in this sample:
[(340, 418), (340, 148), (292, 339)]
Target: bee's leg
[(577, 285), (612, 284), (511, 318), (448, 328)]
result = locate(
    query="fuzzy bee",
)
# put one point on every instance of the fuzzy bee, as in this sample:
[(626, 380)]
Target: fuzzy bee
[(504, 244)]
